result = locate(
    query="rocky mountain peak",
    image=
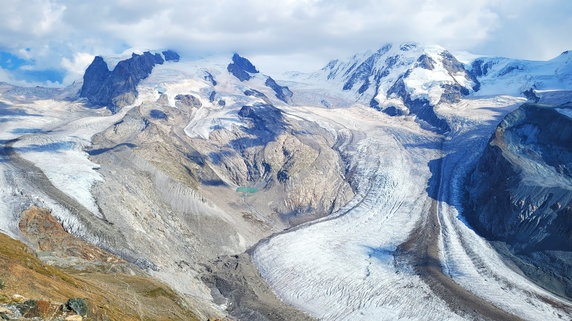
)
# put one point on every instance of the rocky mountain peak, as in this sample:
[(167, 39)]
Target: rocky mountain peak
[(404, 79), (241, 68), (118, 87)]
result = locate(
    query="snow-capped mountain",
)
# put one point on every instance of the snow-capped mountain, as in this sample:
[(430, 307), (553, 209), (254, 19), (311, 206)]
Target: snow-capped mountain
[(515, 77), (335, 195), (411, 79), (403, 79), (117, 87)]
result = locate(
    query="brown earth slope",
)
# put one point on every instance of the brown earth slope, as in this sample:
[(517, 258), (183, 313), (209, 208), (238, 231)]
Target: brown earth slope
[(109, 296)]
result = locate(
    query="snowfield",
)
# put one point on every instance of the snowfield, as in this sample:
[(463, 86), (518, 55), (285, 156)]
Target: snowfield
[(60, 154)]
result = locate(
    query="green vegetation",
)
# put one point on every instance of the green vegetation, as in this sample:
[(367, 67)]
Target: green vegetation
[(104, 296)]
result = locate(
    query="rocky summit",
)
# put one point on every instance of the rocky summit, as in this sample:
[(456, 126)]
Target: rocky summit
[(118, 87)]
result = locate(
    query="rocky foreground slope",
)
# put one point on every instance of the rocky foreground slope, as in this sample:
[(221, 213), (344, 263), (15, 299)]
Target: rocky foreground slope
[(60, 277)]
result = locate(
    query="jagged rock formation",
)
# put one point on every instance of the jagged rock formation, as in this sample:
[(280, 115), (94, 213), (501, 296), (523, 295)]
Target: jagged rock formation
[(521, 190), (187, 101), (282, 92), (118, 87), (405, 80), (241, 68), (171, 55)]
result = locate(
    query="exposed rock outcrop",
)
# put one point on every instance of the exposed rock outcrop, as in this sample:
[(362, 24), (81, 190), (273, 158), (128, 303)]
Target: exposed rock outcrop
[(520, 192), (187, 101), (118, 87), (241, 68), (170, 55), (282, 92)]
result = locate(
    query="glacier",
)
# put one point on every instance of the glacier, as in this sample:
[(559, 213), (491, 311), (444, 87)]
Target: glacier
[(399, 128)]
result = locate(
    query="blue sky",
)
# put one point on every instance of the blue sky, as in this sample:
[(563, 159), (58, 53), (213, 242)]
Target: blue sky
[(51, 42)]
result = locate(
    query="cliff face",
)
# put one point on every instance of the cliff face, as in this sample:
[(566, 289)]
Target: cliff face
[(241, 68), (520, 192), (117, 88)]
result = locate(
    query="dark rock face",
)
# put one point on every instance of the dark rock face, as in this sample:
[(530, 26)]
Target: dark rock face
[(255, 93), (282, 92), (77, 305), (408, 46), (481, 67), (510, 68), (212, 96), (117, 88), (157, 114), (453, 93), (393, 111), (94, 76), (209, 77), (421, 108), (520, 192), (531, 95), (452, 65), (241, 68), (426, 62), (264, 117), (170, 55), (187, 101), (266, 123)]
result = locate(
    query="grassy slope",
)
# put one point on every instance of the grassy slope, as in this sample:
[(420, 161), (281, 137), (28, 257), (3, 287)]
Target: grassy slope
[(112, 296)]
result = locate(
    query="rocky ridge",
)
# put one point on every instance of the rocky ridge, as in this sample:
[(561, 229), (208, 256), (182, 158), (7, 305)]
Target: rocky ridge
[(520, 192)]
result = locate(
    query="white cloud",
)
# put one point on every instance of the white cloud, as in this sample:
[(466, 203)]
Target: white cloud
[(76, 65), (56, 31)]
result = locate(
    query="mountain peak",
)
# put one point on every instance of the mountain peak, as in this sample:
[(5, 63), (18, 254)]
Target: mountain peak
[(171, 55), (241, 67), (404, 79), (408, 46), (117, 87)]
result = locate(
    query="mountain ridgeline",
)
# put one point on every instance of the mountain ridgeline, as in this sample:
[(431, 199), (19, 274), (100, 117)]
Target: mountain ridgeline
[(118, 87), (250, 195), (520, 192), (405, 80)]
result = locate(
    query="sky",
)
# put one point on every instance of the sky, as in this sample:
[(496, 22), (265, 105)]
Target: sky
[(51, 42)]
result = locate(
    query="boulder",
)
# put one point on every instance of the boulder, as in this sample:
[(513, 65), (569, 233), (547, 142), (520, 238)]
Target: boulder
[(77, 305)]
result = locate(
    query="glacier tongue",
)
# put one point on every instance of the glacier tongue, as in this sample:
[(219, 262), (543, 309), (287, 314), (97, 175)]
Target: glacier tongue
[(346, 262), (351, 265)]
